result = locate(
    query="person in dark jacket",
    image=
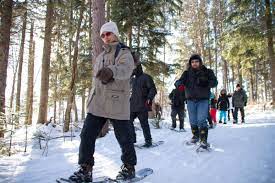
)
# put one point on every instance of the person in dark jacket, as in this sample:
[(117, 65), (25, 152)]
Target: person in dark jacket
[(239, 100), (177, 97), (223, 105), (198, 80), (143, 93)]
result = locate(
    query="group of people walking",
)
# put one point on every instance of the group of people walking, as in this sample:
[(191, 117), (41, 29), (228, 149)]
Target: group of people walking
[(121, 92), (227, 105)]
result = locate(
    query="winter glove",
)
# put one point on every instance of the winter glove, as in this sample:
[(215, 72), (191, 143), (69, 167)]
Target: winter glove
[(181, 87), (148, 104), (202, 81), (177, 83), (105, 75), (245, 104)]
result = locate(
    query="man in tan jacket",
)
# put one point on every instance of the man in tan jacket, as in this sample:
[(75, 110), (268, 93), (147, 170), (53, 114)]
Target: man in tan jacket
[(109, 99)]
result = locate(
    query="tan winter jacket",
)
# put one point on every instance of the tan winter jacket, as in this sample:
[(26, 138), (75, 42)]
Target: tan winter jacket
[(112, 100)]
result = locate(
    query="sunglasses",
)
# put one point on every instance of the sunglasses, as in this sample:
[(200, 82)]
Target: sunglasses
[(107, 34)]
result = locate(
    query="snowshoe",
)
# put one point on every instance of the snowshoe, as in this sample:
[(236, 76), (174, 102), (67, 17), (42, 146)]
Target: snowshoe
[(127, 172)]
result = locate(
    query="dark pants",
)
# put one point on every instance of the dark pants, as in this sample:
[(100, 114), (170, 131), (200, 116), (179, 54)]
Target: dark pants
[(92, 127), (143, 119), (236, 113), (228, 114), (180, 112)]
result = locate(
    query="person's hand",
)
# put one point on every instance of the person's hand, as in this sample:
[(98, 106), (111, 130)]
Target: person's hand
[(148, 104), (105, 75), (245, 104)]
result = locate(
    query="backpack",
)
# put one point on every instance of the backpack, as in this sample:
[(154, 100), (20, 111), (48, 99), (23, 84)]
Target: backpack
[(134, 54)]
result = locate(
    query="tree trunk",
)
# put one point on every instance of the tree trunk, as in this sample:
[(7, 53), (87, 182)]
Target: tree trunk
[(108, 11), (225, 74), (233, 78), (240, 75), (29, 101), (270, 34), (255, 71), (138, 40), (216, 54), (251, 85), (13, 86), (129, 35), (43, 106), (98, 20), (209, 48), (74, 74), (98, 9), (59, 110), (83, 105), (5, 28), (20, 60), (75, 112)]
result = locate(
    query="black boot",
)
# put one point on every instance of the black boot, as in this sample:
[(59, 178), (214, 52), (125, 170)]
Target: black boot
[(85, 173), (195, 132), (203, 138), (148, 143), (174, 124), (127, 172)]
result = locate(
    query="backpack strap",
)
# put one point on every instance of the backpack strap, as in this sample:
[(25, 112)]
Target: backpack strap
[(118, 47)]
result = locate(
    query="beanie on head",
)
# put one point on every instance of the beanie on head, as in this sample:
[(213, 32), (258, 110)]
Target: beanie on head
[(238, 85), (195, 57), (110, 27)]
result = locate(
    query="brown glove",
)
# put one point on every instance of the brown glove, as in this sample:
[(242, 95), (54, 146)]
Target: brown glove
[(105, 75)]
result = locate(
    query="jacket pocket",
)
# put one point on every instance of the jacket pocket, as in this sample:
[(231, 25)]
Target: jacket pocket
[(115, 102)]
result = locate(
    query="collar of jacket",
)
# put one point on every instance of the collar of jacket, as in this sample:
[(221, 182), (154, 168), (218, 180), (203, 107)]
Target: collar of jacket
[(110, 47)]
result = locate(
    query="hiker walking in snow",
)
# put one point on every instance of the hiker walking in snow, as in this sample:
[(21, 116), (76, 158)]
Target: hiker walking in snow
[(143, 93), (109, 99), (239, 100), (177, 97), (223, 105), (158, 110), (198, 80)]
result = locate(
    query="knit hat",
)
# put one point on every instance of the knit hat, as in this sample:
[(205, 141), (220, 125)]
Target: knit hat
[(110, 27), (195, 57), (238, 85)]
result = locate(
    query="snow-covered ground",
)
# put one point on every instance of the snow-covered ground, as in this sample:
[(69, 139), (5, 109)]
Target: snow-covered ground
[(241, 154)]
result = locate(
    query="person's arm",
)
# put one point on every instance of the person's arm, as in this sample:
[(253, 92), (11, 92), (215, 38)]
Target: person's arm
[(212, 79), (218, 102), (228, 104), (182, 80), (233, 98), (152, 88)]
